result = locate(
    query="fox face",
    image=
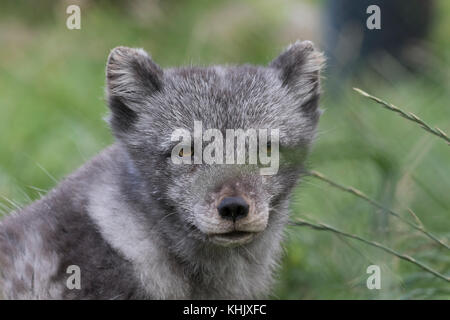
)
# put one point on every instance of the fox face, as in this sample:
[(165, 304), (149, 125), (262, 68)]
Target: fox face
[(198, 137)]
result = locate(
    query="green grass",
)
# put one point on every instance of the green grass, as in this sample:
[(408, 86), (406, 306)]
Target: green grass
[(51, 110)]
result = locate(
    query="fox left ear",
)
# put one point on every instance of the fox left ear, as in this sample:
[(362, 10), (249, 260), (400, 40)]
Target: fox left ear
[(131, 75), (299, 69)]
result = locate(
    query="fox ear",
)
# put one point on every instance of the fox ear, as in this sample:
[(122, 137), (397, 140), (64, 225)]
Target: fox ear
[(131, 75), (299, 69)]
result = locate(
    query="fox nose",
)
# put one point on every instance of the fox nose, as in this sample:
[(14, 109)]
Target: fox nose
[(233, 208)]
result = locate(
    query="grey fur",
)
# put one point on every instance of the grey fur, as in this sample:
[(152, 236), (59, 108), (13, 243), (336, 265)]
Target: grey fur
[(129, 218)]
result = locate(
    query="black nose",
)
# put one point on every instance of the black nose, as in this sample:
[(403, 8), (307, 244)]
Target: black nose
[(233, 208)]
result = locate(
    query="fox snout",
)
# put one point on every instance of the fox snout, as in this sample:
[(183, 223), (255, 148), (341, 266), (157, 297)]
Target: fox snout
[(233, 214), (233, 208)]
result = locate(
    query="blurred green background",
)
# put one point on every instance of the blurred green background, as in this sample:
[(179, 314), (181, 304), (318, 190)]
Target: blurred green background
[(52, 110)]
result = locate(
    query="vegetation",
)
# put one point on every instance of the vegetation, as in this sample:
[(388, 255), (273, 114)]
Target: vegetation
[(51, 110)]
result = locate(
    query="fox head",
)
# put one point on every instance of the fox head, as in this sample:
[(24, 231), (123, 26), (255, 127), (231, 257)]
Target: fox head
[(223, 203)]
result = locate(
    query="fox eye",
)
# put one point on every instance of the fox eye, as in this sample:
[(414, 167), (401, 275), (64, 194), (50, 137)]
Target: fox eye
[(185, 153)]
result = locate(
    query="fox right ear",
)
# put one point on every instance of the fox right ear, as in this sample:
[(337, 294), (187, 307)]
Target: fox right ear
[(131, 75), (299, 69)]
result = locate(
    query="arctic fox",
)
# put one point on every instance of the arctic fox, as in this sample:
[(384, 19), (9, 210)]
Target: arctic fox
[(132, 223)]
